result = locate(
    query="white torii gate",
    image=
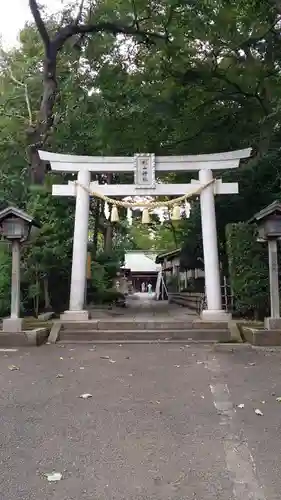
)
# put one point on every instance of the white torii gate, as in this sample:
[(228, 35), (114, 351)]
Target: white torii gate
[(144, 167)]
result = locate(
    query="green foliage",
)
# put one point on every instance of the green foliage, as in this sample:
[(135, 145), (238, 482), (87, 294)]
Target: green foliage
[(248, 270), (111, 263), (110, 296), (5, 279), (104, 269)]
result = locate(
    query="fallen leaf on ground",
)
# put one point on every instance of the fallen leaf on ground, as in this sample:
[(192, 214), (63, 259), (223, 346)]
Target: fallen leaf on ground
[(13, 367), (258, 412), (54, 476), (85, 396), (241, 405), (59, 375)]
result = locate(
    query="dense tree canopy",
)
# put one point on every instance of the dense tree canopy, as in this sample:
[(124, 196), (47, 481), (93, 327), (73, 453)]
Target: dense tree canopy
[(126, 76)]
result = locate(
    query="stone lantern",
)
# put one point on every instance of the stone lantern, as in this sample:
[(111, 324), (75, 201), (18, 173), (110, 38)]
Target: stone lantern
[(268, 222), (15, 226)]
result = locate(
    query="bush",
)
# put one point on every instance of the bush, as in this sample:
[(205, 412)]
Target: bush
[(112, 296), (103, 270), (109, 297), (248, 270)]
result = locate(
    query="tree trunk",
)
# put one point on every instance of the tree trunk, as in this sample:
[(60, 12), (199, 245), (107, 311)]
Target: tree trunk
[(47, 300), (173, 229), (37, 135), (109, 228), (108, 238), (96, 227)]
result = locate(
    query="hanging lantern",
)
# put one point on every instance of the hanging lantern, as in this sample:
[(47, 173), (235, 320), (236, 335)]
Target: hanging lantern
[(145, 216), (176, 213), (114, 214)]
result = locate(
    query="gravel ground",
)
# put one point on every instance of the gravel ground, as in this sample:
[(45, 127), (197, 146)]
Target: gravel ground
[(163, 423)]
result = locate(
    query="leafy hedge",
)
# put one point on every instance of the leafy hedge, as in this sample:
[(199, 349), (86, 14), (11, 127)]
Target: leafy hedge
[(248, 270)]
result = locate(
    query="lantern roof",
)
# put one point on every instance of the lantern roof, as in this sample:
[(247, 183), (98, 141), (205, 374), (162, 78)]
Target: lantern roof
[(272, 209), (17, 213)]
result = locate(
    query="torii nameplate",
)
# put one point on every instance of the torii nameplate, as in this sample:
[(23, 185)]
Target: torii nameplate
[(144, 171)]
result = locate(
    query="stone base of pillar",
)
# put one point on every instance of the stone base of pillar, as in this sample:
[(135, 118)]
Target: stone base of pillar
[(75, 316), (211, 315), (13, 325), (272, 323)]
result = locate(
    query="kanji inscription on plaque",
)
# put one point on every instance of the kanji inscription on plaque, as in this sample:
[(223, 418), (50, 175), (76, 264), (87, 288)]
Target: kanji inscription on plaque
[(144, 171)]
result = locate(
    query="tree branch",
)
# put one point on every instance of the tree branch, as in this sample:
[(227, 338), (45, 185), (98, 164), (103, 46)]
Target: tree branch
[(27, 100), (39, 22), (80, 29), (136, 21)]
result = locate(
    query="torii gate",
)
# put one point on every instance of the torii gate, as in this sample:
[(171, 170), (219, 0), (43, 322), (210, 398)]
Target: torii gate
[(144, 167)]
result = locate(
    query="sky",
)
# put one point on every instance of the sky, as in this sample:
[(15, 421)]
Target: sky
[(13, 15)]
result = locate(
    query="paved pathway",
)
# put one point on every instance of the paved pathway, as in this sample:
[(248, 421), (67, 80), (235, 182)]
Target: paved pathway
[(142, 306), (163, 423)]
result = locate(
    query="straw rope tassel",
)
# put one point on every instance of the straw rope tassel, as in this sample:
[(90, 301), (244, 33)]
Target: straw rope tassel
[(176, 213), (145, 216), (106, 210), (129, 216), (114, 214)]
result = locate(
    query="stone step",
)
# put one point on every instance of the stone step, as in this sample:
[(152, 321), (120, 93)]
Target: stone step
[(120, 335), (122, 325), (147, 341)]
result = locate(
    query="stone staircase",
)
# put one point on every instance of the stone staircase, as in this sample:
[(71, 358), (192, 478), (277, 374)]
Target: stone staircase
[(121, 330)]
